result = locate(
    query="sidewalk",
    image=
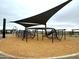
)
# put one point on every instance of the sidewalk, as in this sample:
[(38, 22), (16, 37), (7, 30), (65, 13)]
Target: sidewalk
[(5, 57), (2, 56)]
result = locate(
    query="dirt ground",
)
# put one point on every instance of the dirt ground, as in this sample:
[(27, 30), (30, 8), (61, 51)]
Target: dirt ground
[(39, 48)]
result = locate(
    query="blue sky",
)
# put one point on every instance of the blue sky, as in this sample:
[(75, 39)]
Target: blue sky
[(67, 17)]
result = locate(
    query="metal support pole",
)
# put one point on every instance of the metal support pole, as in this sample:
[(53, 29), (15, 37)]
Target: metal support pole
[(26, 34), (42, 34), (52, 38), (45, 30), (37, 34), (64, 34), (4, 27)]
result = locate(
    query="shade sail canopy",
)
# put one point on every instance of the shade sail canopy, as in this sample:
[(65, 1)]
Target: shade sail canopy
[(45, 16), (27, 24)]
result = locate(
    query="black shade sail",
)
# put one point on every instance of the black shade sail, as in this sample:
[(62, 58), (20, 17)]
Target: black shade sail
[(43, 17)]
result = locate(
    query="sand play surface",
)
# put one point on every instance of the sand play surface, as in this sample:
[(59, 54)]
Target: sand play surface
[(39, 48)]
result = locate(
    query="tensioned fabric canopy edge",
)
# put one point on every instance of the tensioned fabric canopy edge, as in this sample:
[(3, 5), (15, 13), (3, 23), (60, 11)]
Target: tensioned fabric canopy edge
[(25, 24), (43, 17)]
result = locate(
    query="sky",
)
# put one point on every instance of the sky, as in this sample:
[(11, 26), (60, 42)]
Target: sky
[(66, 18)]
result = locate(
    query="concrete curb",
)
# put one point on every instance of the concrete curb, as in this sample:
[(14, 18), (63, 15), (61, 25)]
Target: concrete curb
[(65, 56), (8, 55), (57, 57)]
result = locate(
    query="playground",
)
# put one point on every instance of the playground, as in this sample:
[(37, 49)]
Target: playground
[(39, 48)]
